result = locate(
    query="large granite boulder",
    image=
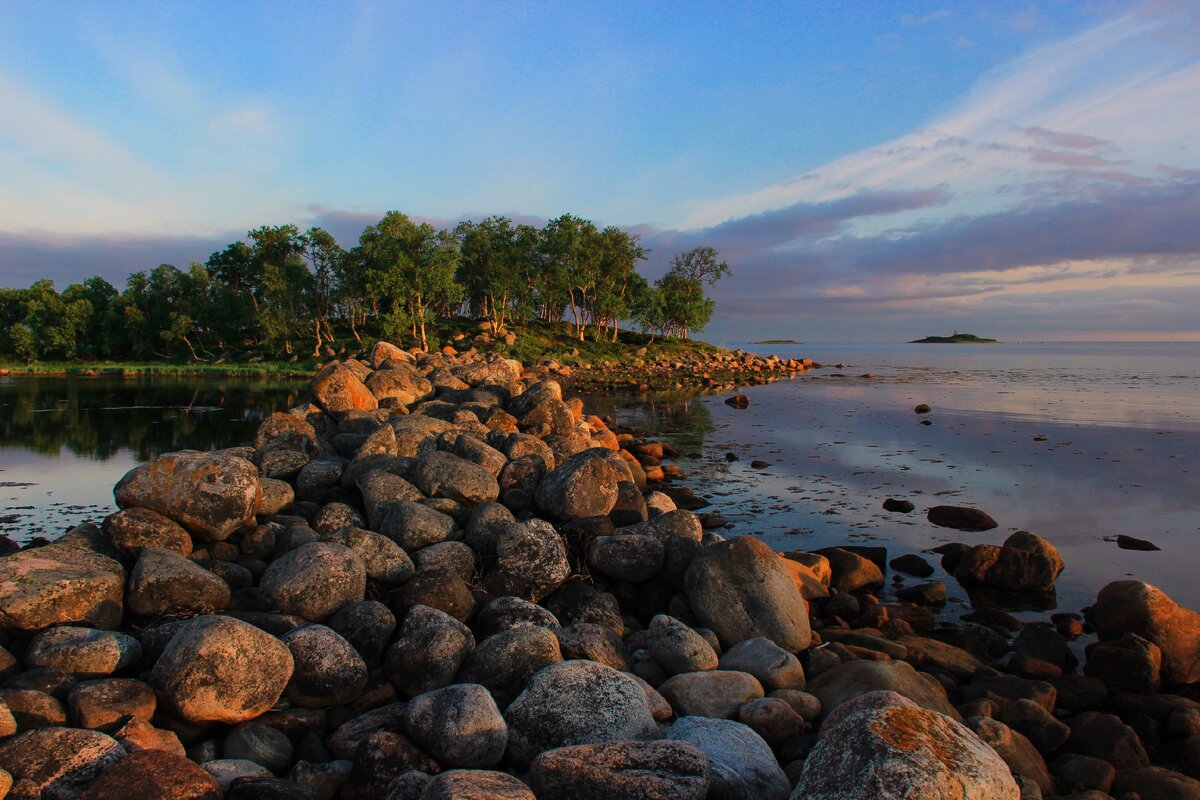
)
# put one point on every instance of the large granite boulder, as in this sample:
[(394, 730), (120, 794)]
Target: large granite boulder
[(219, 669), (849, 679), (741, 765), (61, 583), (313, 580), (210, 494), (58, 763), (337, 389), (659, 770), (881, 746), (1135, 607), (583, 485), (739, 590), (1025, 563)]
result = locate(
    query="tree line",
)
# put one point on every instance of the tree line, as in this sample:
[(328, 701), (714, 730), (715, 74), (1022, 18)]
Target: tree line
[(283, 289)]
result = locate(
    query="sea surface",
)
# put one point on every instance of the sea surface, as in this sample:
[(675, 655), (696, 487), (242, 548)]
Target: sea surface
[(1077, 442)]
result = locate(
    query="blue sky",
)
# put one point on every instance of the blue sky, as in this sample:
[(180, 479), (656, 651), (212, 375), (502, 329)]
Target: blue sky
[(870, 170)]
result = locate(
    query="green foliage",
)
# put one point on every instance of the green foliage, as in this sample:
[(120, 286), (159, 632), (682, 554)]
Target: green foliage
[(280, 288)]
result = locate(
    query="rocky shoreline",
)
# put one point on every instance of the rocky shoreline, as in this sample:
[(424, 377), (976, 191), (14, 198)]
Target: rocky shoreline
[(442, 579)]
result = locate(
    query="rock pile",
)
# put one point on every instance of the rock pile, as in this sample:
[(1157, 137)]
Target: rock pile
[(441, 579)]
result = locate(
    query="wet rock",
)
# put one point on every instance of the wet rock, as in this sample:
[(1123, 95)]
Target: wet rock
[(134, 529), (1025, 563), (677, 648), (716, 693), (898, 506), (262, 744), (153, 775), (881, 746), (439, 474), (505, 662), (96, 704), (849, 679), (476, 784), (771, 665), (313, 580), (429, 651), (415, 525), (218, 669), (84, 652), (1133, 543), (60, 584), (932, 593), (337, 389), (1135, 607), (164, 582), (739, 589), (661, 770), (328, 670), (584, 485), (961, 518), (577, 702), (911, 564), (58, 763), (459, 725), (741, 765), (210, 494), (738, 401), (922, 408)]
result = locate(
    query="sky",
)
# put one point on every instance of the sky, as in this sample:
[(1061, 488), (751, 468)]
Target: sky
[(871, 171)]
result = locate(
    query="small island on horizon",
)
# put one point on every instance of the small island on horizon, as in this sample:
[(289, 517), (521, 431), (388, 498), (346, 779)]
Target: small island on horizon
[(777, 341), (956, 338)]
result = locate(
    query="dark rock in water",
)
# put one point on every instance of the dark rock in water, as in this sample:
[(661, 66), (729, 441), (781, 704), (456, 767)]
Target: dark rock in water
[(741, 765), (1135, 607), (911, 564), (663, 770), (1130, 543), (926, 422), (732, 457), (899, 506), (882, 746), (1025, 563), (922, 408), (925, 594), (577, 702), (739, 589), (757, 464), (961, 518), (154, 775), (851, 571), (738, 401)]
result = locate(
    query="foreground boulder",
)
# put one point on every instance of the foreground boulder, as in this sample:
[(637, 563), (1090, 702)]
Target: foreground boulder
[(154, 775), (219, 669), (740, 590), (60, 583), (338, 390), (1135, 607), (881, 746), (577, 702), (741, 765), (57, 763), (210, 494), (621, 771)]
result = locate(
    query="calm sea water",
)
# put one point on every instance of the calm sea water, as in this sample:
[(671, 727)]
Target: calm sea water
[(1077, 442)]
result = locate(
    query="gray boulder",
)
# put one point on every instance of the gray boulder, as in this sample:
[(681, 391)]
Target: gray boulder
[(429, 651), (327, 671), (660, 770), (313, 580), (459, 725), (584, 485), (164, 582), (741, 765), (849, 679), (440, 474)]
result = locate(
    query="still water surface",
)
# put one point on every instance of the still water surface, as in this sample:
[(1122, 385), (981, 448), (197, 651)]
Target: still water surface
[(1078, 442)]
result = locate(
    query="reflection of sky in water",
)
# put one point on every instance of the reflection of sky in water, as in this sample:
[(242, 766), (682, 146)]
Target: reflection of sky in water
[(1076, 454)]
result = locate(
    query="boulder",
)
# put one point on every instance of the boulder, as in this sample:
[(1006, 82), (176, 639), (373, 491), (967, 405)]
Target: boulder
[(327, 670), (849, 679), (881, 746), (1022, 757), (58, 763), (678, 648), (163, 582), (60, 584), (531, 561), (286, 431), (851, 572), (210, 494), (415, 525), (512, 612), (739, 590), (627, 557), (401, 386), (577, 702), (154, 775), (741, 765), (368, 627), (133, 529), (84, 652), (313, 580), (440, 474), (1155, 783), (506, 661), (1025, 563), (337, 390), (99, 703), (383, 559), (458, 725), (584, 485), (1130, 663), (475, 784), (716, 693), (262, 744), (773, 667), (661, 770), (1135, 607), (429, 651), (219, 669)]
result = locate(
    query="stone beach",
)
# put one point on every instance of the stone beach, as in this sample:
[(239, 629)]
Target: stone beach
[(442, 578)]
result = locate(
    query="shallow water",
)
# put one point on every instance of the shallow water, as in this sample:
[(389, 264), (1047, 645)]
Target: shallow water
[(1077, 442)]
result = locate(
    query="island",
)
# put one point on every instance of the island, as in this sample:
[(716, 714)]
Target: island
[(956, 338), (777, 341)]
